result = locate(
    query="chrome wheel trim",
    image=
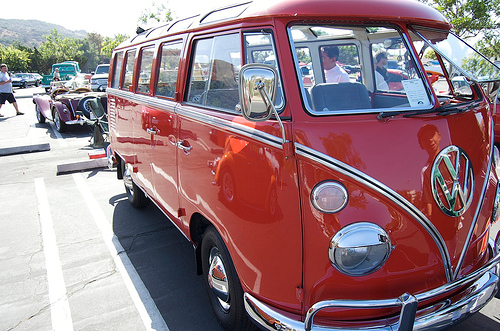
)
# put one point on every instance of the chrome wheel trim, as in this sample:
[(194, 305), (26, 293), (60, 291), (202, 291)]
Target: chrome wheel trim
[(127, 180), (217, 279), (57, 121)]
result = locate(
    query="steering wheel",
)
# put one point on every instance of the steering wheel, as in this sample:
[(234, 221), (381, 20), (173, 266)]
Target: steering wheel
[(58, 91)]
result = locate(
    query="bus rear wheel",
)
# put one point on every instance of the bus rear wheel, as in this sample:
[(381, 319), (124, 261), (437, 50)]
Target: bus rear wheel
[(222, 283), (135, 195)]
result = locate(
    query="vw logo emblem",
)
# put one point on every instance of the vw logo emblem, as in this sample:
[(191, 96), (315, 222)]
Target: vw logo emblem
[(452, 180)]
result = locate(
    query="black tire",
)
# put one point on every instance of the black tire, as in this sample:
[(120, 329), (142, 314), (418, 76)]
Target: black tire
[(61, 126), (39, 115), (135, 195), (227, 301)]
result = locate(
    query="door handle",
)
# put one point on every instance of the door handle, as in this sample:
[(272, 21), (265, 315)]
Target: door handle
[(184, 148), (152, 131), (171, 140)]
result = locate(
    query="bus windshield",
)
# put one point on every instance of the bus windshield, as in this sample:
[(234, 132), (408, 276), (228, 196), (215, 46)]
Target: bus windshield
[(457, 53)]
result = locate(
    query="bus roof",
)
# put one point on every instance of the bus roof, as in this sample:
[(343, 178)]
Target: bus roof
[(407, 11)]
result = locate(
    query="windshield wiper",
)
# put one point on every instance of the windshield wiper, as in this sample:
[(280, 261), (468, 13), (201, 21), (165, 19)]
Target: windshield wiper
[(443, 110)]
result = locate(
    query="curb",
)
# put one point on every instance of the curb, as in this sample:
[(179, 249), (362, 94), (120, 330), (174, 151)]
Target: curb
[(82, 166), (24, 149), (22, 96)]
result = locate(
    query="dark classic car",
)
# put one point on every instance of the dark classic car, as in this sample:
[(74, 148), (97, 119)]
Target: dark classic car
[(66, 104), (24, 80)]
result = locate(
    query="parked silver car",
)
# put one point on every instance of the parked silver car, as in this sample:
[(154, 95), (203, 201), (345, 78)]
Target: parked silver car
[(99, 80)]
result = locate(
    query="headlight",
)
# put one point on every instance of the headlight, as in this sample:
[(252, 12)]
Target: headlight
[(359, 249), (329, 197)]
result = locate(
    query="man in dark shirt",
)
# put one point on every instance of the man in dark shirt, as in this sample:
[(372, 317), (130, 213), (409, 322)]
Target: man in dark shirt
[(381, 63)]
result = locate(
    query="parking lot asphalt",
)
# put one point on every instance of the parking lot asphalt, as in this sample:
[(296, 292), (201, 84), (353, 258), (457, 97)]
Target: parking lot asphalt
[(74, 255)]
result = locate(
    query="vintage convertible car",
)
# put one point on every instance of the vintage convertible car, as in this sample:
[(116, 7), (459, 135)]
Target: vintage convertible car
[(66, 104)]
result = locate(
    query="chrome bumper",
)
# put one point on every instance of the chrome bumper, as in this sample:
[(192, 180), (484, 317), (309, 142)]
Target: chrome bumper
[(479, 293), (73, 122)]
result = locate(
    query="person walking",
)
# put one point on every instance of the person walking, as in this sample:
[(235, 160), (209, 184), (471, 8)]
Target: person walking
[(6, 93)]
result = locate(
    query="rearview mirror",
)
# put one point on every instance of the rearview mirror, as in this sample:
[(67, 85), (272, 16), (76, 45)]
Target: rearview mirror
[(257, 89)]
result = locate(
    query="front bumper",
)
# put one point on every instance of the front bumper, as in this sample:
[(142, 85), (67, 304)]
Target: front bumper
[(483, 288)]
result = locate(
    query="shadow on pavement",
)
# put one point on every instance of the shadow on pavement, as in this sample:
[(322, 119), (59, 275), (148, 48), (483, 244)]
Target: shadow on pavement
[(164, 260)]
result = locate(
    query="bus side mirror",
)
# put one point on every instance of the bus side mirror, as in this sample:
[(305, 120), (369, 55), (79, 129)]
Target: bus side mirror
[(257, 90)]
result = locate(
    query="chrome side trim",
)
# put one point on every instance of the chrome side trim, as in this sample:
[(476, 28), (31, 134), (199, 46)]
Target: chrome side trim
[(479, 204), (214, 121), (477, 294), (134, 97), (237, 128), (374, 184)]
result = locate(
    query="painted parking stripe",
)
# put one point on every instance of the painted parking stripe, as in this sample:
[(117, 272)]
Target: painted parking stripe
[(60, 139), (145, 305), (59, 307)]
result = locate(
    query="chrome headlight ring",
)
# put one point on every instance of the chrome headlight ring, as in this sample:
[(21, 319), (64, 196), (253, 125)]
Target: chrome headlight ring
[(329, 197), (359, 249)]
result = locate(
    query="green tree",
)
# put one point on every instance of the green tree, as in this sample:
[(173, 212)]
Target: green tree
[(57, 49), (110, 43), (157, 13), (92, 46), (36, 61), (16, 59), (470, 18)]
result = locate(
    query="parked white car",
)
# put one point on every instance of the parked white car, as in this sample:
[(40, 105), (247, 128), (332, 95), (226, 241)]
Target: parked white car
[(99, 80)]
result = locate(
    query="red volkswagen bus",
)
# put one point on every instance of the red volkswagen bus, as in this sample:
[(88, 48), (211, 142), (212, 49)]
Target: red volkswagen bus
[(324, 198)]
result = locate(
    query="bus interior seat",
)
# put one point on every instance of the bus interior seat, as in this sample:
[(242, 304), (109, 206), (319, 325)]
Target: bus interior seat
[(340, 96)]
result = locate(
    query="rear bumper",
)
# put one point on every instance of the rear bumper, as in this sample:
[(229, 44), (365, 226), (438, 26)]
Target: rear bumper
[(79, 121), (482, 289)]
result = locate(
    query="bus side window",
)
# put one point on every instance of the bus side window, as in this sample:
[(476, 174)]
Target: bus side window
[(259, 48), (145, 66), (117, 69), (167, 73), (129, 69), (214, 72)]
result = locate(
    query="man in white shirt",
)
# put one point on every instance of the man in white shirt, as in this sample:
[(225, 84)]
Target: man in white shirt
[(333, 72), (6, 89)]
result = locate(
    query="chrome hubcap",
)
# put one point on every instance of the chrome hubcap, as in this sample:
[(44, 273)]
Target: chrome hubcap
[(127, 179), (217, 279), (57, 121)]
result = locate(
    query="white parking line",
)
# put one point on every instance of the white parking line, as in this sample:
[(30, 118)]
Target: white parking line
[(145, 305), (59, 306), (60, 139)]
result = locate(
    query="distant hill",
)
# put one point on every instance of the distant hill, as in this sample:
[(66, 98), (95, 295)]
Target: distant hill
[(31, 33)]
